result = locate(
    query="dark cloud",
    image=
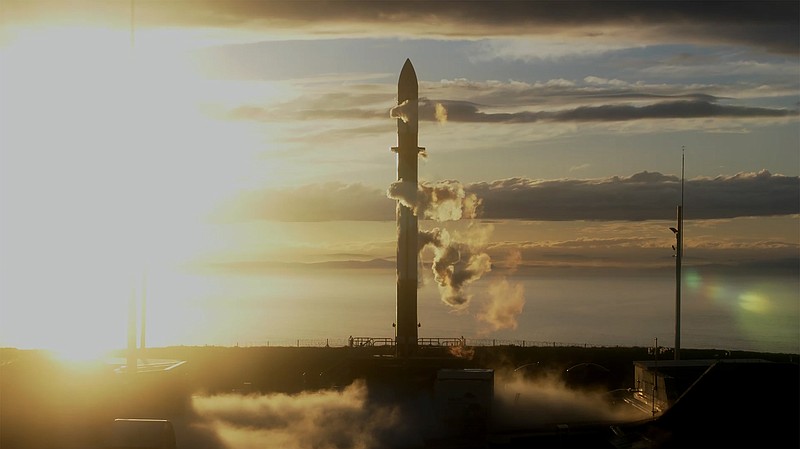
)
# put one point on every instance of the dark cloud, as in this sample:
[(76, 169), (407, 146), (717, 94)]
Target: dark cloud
[(469, 112), (462, 111), (767, 25), (770, 25), (642, 196)]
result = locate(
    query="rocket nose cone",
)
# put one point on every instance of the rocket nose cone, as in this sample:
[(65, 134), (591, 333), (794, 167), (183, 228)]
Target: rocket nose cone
[(408, 73), (407, 84)]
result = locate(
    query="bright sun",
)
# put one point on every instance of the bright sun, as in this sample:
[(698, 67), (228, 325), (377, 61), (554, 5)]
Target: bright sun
[(109, 166)]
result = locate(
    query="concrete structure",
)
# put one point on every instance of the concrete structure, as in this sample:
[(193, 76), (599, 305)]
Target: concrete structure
[(732, 403), (659, 384), (464, 399)]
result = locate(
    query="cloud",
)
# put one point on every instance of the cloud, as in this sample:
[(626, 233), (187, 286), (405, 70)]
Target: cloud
[(642, 196), (767, 25), (594, 100), (461, 111)]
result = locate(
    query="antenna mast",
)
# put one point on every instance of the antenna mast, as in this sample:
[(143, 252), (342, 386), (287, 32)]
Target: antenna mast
[(678, 258)]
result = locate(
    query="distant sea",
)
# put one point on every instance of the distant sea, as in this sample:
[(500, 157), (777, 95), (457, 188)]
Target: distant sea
[(718, 311)]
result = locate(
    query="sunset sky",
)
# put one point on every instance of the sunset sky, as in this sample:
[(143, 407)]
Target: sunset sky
[(227, 152)]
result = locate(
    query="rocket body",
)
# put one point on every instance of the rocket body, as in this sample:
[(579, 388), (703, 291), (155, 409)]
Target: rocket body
[(407, 227)]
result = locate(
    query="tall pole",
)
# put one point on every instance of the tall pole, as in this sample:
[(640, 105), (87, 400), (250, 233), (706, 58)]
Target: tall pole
[(678, 255), (132, 356), (144, 314), (407, 226), (678, 259)]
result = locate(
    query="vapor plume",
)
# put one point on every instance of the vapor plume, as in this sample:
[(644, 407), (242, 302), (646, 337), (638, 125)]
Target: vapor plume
[(320, 420), (505, 299), (440, 113), (440, 201), (456, 264), (402, 110), (506, 302), (547, 402), (462, 352)]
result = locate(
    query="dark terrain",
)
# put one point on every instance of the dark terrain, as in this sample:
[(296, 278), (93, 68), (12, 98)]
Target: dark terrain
[(51, 404)]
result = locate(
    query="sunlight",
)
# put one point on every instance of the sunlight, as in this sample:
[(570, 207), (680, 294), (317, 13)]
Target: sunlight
[(111, 169), (81, 352)]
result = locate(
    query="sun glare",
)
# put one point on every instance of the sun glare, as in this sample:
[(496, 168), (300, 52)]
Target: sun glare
[(110, 168), (82, 353)]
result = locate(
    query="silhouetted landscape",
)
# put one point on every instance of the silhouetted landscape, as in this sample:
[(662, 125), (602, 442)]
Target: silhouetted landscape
[(46, 403)]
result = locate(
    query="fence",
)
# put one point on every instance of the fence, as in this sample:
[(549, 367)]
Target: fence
[(422, 341)]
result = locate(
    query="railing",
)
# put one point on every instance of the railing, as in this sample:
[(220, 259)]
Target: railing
[(360, 342), (441, 342), (429, 342)]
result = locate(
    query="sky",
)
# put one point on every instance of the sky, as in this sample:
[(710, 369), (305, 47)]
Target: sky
[(210, 154)]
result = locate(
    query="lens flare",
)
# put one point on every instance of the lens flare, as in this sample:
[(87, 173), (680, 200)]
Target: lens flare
[(754, 302), (760, 311)]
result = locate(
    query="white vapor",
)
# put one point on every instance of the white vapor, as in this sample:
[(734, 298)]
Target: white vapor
[(546, 402), (440, 201), (320, 420), (440, 113), (506, 299), (400, 111), (456, 264)]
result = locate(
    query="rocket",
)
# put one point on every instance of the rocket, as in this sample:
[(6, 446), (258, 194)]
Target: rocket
[(407, 226)]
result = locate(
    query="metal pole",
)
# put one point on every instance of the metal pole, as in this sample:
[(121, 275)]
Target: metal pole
[(142, 344), (678, 261), (132, 356), (655, 379)]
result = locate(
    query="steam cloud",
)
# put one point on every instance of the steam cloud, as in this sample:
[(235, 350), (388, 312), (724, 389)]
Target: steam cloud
[(354, 419), (440, 113), (506, 299), (401, 111), (455, 265), (441, 201), (547, 402), (320, 420)]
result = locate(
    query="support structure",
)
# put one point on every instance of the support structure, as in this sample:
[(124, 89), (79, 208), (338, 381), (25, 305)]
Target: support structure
[(407, 150), (678, 278), (678, 260), (132, 354)]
